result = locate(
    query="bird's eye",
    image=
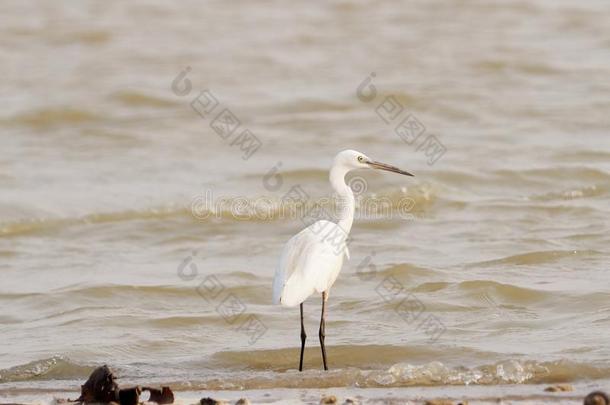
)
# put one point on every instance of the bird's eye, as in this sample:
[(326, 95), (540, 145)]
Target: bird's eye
[(361, 158)]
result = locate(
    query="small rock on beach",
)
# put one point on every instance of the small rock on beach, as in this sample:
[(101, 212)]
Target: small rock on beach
[(559, 388)]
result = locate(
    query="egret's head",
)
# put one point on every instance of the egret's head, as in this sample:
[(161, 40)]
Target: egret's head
[(353, 160)]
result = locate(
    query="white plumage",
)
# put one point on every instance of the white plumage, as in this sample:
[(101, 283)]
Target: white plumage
[(312, 259)]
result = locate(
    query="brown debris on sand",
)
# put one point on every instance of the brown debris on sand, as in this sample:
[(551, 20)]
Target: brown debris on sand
[(101, 387), (597, 398), (162, 397), (130, 396), (211, 401), (328, 400), (559, 388)]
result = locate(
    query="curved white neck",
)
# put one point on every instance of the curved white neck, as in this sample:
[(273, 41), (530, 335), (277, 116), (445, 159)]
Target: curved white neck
[(346, 204)]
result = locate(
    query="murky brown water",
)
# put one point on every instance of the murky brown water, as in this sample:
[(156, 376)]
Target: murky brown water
[(128, 223)]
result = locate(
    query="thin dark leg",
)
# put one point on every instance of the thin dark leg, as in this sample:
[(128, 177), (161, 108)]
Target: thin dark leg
[(322, 330), (303, 337)]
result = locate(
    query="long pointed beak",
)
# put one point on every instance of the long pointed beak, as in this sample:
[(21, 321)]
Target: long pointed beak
[(388, 168)]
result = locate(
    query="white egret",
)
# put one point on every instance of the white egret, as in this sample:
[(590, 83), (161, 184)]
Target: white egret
[(312, 259)]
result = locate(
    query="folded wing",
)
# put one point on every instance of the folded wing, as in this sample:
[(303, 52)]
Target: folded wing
[(310, 261)]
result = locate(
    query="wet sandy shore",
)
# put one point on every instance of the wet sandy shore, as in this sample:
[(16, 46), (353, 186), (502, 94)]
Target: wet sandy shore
[(499, 394), (534, 394)]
